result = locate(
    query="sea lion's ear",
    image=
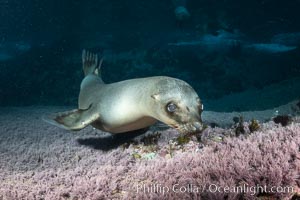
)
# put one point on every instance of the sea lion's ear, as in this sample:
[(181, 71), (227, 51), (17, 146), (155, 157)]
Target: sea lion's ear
[(155, 96)]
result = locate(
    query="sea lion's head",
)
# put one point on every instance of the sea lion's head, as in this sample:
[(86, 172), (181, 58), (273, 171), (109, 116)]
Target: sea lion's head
[(177, 104)]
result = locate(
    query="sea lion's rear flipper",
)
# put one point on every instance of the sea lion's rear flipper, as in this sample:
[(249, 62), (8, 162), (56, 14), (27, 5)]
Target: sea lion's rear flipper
[(90, 63), (73, 120)]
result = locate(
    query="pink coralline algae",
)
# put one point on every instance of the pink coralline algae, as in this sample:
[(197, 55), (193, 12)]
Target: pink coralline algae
[(38, 161)]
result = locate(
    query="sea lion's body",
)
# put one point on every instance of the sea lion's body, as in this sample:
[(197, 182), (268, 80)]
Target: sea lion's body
[(124, 109), (131, 104)]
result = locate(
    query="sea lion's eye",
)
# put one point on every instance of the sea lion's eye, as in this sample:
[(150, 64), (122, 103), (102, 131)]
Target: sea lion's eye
[(171, 107)]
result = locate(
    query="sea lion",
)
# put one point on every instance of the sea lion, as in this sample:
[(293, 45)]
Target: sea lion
[(131, 104)]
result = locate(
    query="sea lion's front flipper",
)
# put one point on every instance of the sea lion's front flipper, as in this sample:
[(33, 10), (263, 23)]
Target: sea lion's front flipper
[(75, 119)]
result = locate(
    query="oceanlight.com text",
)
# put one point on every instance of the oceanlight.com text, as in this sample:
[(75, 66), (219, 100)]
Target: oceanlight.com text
[(212, 188)]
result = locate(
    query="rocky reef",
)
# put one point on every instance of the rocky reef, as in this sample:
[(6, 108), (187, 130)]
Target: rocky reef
[(44, 162)]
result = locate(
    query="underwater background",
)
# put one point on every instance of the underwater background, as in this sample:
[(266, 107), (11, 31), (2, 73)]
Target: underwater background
[(238, 55), (242, 58)]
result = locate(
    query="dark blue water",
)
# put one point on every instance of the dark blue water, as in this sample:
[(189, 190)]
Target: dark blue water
[(238, 55)]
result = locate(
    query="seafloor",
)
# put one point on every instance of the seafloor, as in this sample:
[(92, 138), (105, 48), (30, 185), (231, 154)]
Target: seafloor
[(40, 161)]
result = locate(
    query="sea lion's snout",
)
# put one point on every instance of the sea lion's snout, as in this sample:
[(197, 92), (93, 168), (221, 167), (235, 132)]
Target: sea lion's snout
[(192, 127), (192, 124), (198, 126)]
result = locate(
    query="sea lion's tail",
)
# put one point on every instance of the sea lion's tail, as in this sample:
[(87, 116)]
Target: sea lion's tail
[(90, 63)]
